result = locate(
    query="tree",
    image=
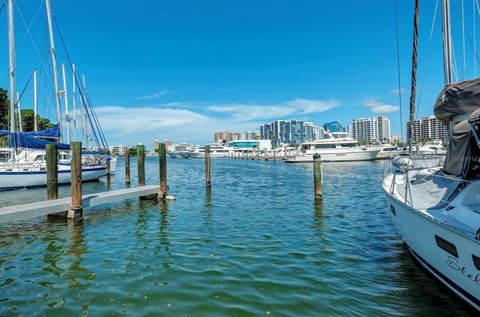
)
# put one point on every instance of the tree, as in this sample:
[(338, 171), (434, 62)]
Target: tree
[(27, 115), (132, 151)]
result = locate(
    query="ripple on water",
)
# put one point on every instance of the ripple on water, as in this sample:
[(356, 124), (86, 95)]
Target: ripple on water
[(255, 245)]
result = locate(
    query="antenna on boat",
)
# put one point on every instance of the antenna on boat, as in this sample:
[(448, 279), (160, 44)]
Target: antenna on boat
[(11, 51), (54, 65), (447, 41), (35, 101)]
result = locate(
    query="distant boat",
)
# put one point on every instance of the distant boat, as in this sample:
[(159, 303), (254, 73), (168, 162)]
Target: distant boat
[(388, 151), (216, 151), (338, 148)]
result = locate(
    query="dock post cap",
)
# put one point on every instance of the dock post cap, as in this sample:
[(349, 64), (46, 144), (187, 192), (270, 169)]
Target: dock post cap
[(316, 156)]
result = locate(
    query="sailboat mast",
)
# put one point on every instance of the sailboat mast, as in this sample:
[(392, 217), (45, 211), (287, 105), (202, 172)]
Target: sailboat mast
[(67, 118), (11, 53), (54, 65), (74, 96), (35, 101), (447, 41)]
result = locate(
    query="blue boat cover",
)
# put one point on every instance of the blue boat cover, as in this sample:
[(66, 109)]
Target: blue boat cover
[(53, 132), (19, 140)]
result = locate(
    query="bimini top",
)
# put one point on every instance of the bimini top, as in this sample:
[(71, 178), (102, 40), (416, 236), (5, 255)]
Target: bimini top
[(461, 98)]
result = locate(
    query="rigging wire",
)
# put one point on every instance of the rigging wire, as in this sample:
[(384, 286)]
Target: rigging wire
[(432, 29), (463, 42), (23, 90), (398, 69), (82, 95)]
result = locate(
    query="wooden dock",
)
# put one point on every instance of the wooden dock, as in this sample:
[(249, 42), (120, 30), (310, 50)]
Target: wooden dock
[(43, 208)]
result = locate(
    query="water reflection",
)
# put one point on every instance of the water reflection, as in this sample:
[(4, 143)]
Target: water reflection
[(77, 248)]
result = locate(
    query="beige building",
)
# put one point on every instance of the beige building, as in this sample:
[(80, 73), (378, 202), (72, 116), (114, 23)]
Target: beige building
[(226, 136)]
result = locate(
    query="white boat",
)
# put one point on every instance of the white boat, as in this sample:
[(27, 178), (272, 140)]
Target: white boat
[(388, 151), (435, 201), (432, 148), (216, 151), (338, 148)]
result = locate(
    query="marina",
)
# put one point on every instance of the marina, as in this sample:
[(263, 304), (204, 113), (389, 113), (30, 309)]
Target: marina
[(220, 256), (118, 201)]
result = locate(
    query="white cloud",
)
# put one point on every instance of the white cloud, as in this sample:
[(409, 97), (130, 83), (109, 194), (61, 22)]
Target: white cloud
[(131, 125), (378, 107), (246, 112), (396, 91), (190, 122), (153, 96)]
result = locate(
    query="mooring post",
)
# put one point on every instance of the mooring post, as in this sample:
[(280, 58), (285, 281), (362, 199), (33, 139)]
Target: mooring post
[(274, 155), (76, 210), (141, 164), (162, 155), (108, 158), (52, 171), (317, 177), (127, 167), (208, 181)]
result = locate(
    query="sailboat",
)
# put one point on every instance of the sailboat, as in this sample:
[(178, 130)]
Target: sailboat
[(436, 209), (26, 166)]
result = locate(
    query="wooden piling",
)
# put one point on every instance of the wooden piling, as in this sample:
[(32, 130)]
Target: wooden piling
[(127, 167), (208, 181), (162, 155), (141, 164), (76, 210), (52, 171), (274, 155), (317, 177)]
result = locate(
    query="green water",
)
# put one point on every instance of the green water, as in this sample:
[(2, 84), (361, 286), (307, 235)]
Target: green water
[(256, 245)]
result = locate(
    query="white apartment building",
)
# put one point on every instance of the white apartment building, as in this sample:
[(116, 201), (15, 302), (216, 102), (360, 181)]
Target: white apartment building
[(428, 128), (118, 149), (370, 129)]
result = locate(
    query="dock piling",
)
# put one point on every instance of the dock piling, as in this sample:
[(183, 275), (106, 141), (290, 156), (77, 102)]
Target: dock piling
[(52, 171), (141, 164), (317, 178), (76, 210), (208, 181), (127, 167), (162, 155)]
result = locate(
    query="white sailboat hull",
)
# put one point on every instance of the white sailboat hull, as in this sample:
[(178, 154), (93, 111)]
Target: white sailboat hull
[(428, 240), (30, 179)]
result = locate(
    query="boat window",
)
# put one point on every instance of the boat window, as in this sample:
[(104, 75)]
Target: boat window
[(347, 144), (447, 246), (325, 146), (476, 261), (305, 146)]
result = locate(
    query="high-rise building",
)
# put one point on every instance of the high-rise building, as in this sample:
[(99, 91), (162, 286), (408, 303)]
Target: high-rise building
[(224, 136), (290, 131), (333, 126), (370, 129), (427, 128)]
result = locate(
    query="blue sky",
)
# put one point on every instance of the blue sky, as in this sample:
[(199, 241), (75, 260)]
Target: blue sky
[(183, 69)]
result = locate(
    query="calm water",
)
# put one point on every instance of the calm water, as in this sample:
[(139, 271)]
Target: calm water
[(255, 246)]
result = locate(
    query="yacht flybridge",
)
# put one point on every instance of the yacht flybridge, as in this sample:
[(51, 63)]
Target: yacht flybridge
[(434, 201), (337, 148)]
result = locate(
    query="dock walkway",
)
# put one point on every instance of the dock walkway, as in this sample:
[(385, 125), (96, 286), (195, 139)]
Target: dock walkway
[(43, 208)]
